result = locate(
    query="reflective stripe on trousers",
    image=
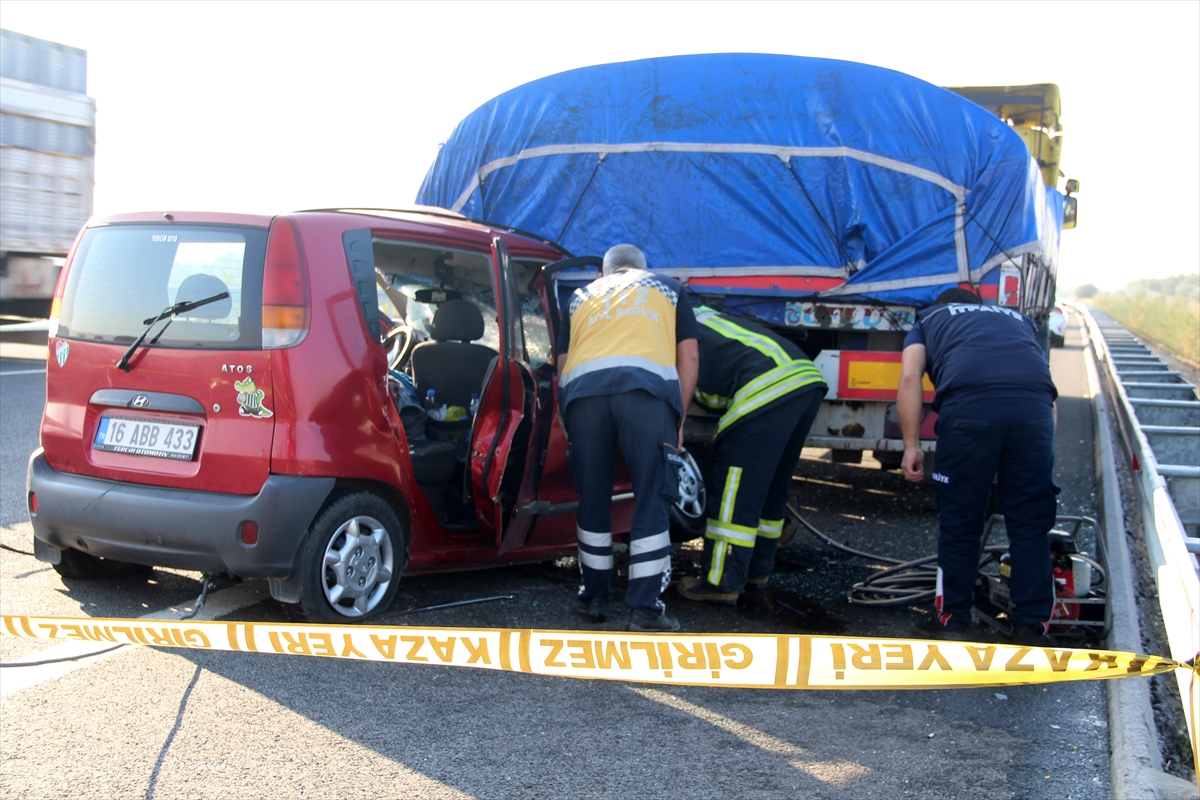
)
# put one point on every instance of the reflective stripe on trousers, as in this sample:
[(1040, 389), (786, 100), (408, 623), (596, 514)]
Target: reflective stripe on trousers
[(753, 465), (639, 424)]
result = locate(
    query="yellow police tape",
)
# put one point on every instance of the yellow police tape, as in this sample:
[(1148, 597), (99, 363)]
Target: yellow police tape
[(765, 661)]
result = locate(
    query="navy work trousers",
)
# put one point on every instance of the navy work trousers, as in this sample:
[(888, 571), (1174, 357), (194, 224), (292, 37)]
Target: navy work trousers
[(979, 440), (753, 463), (645, 429)]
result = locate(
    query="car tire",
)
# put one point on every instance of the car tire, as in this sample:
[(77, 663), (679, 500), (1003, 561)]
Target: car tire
[(688, 511), (352, 559), (78, 565)]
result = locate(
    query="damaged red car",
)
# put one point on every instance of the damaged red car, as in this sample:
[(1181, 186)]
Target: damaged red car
[(227, 393)]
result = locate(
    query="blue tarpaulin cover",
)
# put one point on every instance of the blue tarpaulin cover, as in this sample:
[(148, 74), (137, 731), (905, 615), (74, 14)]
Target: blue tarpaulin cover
[(743, 164)]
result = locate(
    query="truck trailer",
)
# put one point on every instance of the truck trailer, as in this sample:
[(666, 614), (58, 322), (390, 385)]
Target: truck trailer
[(47, 166), (826, 199)]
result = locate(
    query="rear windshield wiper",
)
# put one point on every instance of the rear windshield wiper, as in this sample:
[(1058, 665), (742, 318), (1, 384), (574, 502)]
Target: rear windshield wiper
[(169, 312)]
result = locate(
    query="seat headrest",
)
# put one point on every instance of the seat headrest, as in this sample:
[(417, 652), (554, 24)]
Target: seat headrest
[(199, 286), (456, 321)]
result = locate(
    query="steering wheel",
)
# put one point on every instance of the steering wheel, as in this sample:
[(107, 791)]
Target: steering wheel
[(399, 343)]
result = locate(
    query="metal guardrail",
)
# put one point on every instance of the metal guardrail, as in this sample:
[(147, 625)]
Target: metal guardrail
[(1158, 415)]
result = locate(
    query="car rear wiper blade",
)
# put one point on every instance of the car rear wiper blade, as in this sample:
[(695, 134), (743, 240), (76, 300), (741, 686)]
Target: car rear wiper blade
[(169, 313)]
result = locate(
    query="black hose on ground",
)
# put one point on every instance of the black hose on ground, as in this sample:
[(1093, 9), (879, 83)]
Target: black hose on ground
[(905, 582)]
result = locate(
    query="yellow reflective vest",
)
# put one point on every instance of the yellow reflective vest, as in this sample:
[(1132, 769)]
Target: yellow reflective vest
[(622, 338)]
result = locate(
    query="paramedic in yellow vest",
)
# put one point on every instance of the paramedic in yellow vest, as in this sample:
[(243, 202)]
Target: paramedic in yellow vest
[(627, 358), (767, 394)]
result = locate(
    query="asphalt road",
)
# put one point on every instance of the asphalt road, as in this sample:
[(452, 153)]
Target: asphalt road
[(159, 723)]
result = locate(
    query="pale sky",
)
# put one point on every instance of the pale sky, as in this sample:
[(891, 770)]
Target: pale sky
[(270, 107)]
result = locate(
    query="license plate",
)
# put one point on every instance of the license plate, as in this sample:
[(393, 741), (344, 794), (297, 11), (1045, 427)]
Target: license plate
[(142, 437), (848, 317)]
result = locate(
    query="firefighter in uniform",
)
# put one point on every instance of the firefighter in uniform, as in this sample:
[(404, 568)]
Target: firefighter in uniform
[(627, 356), (768, 395), (996, 417)]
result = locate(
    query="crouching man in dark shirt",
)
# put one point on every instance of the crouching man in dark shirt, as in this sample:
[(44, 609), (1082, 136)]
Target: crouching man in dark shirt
[(995, 403)]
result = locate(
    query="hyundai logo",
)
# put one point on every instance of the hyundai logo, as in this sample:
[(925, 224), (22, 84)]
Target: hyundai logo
[(140, 401)]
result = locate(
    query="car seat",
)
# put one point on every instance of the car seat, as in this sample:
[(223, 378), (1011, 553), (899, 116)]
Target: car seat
[(450, 364)]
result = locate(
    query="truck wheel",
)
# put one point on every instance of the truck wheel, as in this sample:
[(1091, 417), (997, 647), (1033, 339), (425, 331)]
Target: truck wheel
[(79, 565), (687, 513), (888, 459), (929, 463), (352, 559)]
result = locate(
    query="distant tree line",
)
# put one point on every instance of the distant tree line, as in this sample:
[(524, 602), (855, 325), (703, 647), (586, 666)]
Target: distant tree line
[(1164, 310), (1177, 288)]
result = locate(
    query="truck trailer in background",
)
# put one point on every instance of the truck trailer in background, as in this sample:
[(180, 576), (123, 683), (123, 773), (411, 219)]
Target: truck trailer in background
[(826, 199), (1034, 113), (47, 166)]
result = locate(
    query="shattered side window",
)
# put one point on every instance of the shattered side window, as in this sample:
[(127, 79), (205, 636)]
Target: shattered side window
[(537, 335)]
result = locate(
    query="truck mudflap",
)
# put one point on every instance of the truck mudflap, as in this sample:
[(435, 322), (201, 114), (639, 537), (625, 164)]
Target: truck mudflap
[(175, 528)]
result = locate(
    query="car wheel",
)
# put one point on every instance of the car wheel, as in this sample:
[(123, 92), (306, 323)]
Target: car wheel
[(78, 565), (1056, 340), (687, 513), (352, 560)]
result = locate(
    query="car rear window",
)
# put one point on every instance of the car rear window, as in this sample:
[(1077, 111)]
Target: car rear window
[(123, 275)]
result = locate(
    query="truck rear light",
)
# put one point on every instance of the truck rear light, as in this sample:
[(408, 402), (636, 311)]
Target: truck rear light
[(249, 533), (285, 300), (1010, 287)]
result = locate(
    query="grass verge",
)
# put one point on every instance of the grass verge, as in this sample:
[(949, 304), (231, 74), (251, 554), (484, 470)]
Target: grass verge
[(1175, 327)]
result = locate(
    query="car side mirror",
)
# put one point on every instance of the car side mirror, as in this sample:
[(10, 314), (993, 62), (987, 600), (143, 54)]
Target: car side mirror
[(1072, 186)]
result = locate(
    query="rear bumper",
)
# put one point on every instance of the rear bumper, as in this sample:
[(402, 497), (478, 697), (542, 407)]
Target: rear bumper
[(176, 528)]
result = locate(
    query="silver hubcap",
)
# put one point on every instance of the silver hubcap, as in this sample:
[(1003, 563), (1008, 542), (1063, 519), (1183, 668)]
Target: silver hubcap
[(358, 566), (692, 496)]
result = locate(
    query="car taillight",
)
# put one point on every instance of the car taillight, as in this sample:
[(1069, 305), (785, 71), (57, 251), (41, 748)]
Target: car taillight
[(250, 533), (1010, 287), (33, 503), (285, 300)]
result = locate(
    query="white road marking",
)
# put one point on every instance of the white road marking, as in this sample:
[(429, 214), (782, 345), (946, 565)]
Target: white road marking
[(23, 372), (219, 603)]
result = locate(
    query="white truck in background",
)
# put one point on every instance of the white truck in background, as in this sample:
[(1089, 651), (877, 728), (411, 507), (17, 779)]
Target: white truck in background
[(47, 166)]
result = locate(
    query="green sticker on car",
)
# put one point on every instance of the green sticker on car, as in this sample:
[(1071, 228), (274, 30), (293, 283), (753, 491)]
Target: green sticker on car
[(250, 399)]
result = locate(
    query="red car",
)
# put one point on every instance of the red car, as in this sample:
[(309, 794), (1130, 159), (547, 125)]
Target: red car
[(218, 398)]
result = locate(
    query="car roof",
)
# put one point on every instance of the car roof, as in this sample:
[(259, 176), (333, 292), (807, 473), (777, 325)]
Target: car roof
[(202, 217), (421, 222)]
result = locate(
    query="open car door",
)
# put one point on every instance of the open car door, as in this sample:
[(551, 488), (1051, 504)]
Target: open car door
[(556, 294), (503, 466)]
